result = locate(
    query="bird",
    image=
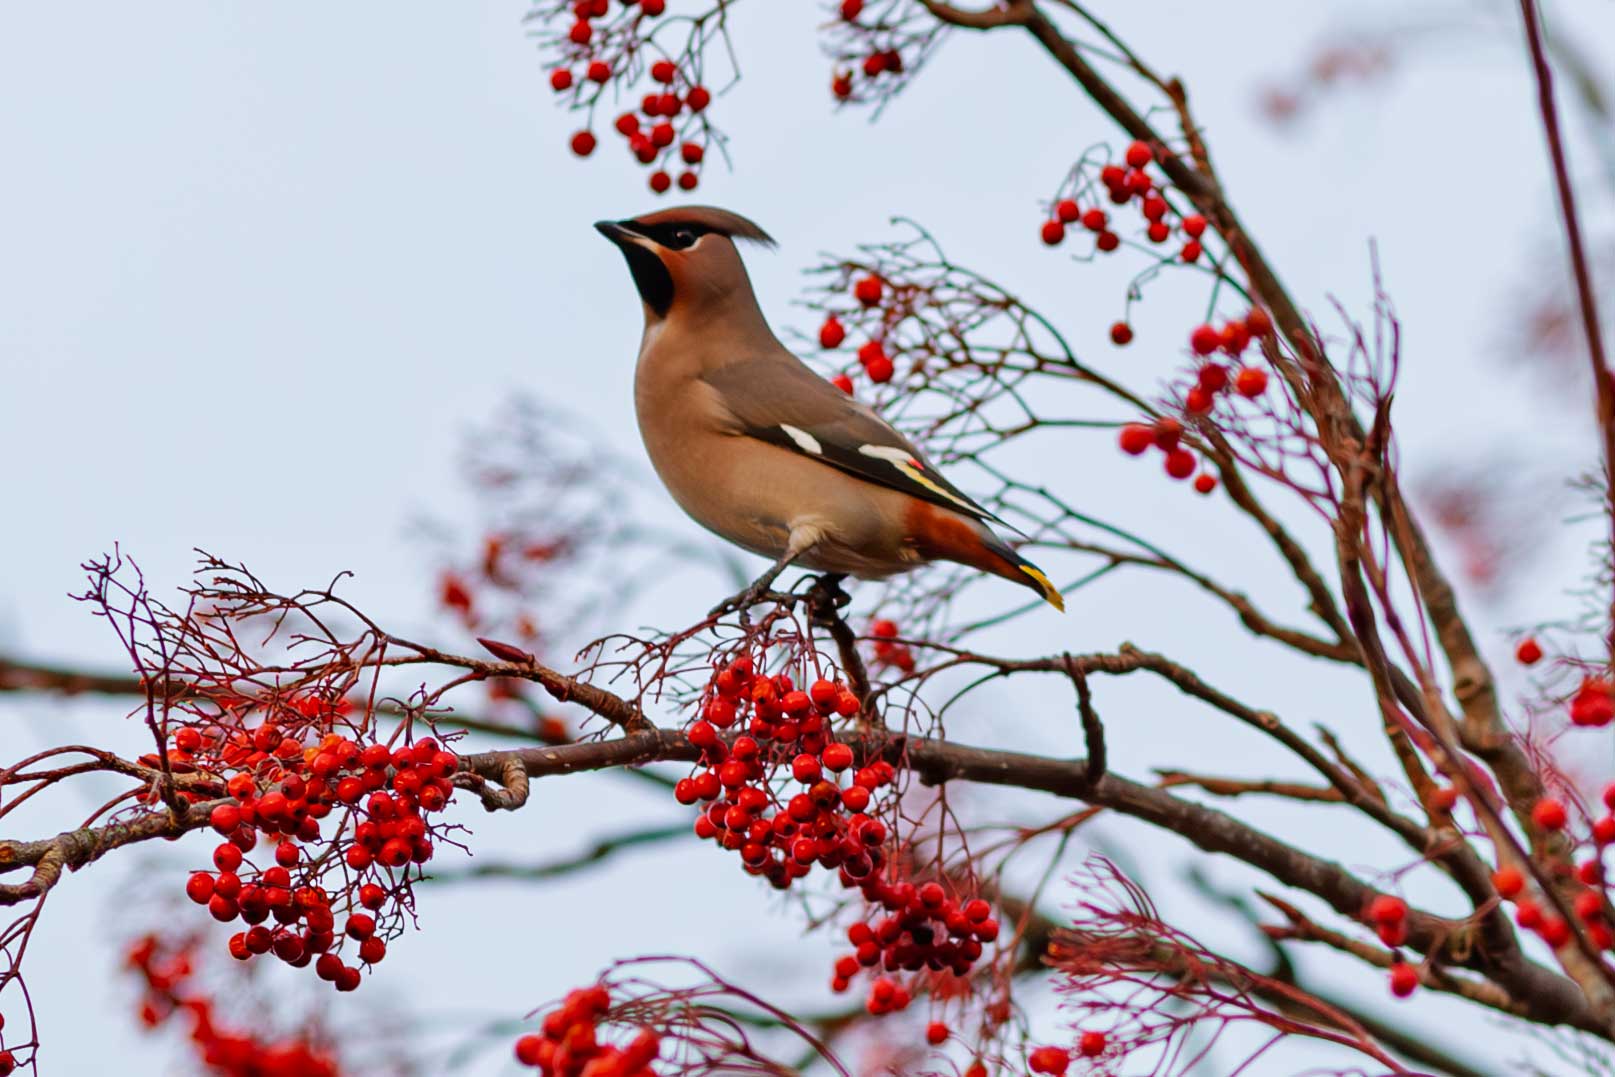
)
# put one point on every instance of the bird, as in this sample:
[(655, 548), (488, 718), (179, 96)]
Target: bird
[(764, 452)]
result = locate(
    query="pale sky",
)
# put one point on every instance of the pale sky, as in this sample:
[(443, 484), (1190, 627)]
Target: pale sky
[(266, 264)]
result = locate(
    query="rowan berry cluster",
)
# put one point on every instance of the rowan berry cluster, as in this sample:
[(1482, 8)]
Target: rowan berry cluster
[(787, 795), (1123, 184), (1054, 1061), (1589, 903), (888, 652), (167, 973), (1212, 380), (1388, 915), (314, 806), (882, 58), (667, 130), (568, 1043), (868, 291)]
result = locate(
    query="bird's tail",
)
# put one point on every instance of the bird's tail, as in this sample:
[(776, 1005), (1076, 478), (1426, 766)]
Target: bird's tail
[(1023, 572), (951, 536)]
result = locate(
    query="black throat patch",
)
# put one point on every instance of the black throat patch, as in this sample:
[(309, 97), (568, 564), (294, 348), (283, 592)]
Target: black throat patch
[(651, 277)]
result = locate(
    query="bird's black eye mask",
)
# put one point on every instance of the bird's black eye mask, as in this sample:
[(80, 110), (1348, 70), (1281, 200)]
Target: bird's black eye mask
[(651, 277), (674, 235)]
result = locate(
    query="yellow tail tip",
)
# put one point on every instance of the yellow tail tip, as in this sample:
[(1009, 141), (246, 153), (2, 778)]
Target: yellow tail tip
[(1051, 594)]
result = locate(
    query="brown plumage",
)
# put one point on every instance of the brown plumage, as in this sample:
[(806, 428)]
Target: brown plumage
[(758, 448)]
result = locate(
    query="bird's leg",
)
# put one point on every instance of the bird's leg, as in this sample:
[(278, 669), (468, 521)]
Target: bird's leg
[(801, 540)]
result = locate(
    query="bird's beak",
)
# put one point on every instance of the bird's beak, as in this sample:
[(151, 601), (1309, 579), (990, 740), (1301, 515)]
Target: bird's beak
[(616, 231)]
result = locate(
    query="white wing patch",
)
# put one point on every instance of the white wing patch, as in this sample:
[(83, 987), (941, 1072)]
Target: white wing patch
[(890, 453), (804, 440), (903, 462)]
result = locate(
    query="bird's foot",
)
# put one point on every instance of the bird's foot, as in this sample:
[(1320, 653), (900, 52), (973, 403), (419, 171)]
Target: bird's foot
[(825, 598), (745, 600)]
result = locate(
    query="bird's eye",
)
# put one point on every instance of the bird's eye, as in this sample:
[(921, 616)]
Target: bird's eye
[(681, 238)]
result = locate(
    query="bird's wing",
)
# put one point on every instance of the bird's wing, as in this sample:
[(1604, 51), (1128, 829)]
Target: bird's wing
[(781, 401)]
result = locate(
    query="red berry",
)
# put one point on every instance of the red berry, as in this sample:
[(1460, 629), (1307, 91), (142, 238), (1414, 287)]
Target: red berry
[(868, 290), (1555, 932), (1589, 906), (360, 926), (1204, 483), (936, 1033), (832, 333), (1250, 382), (1053, 1061), (1108, 241), (1053, 233), (1404, 979), (1204, 340), (1136, 438), (663, 71), (1158, 232), (560, 79), (1198, 401), (1180, 463), (598, 71), (1194, 226), (1549, 814), (1154, 208), (692, 152), (1257, 323), (870, 351), (836, 757), (688, 181), (884, 629), (227, 857), (842, 382), (226, 818), (1113, 175), (662, 135), (583, 143), (1387, 909), (1067, 211), (1121, 333), (1095, 220), (806, 769), (1604, 830), (1092, 1044), (1139, 155), (698, 98), (199, 887), (881, 370), (660, 181), (1594, 703), (1166, 432), (1529, 652), (1191, 251), (851, 9), (580, 33)]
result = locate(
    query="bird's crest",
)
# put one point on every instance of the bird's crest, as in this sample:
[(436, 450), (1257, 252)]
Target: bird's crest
[(709, 219)]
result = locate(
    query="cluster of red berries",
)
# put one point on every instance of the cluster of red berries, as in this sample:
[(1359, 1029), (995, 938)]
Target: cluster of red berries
[(568, 1043), (1124, 185), (1594, 702), (1211, 380), (281, 792), (225, 1052), (887, 650), (745, 783), (868, 291), (651, 134), (876, 63), (1166, 434), (924, 928), (1054, 1061), (1551, 816), (1388, 914), (8, 1060)]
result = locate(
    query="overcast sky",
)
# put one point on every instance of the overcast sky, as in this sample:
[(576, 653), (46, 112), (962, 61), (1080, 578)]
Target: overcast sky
[(266, 264)]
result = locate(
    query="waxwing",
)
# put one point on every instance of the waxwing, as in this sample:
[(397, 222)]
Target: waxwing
[(764, 452)]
